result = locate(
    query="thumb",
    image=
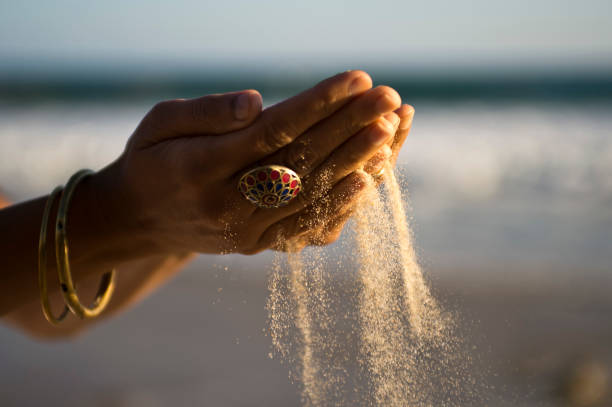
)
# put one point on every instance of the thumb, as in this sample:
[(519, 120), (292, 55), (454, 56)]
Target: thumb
[(212, 114)]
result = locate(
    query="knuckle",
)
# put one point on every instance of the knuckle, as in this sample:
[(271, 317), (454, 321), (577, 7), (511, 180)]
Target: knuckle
[(385, 90), (274, 135), (349, 124), (160, 110), (156, 118), (200, 112), (355, 73), (352, 157), (325, 100), (301, 157), (157, 109), (390, 93)]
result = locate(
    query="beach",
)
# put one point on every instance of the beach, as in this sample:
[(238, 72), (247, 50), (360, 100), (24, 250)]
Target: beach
[(510, 208), (201, 340)]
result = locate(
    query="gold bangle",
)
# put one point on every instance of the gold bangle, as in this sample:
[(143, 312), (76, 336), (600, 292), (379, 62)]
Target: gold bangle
[(42, 262), (107, 283)]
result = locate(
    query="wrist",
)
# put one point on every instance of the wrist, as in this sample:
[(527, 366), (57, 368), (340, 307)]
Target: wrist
[(102, 225)]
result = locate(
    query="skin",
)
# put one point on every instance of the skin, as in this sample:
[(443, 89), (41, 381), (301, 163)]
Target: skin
[(173, 191)]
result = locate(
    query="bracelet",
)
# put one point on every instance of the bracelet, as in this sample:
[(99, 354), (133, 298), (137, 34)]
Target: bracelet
[(107, 283), (42, 262)]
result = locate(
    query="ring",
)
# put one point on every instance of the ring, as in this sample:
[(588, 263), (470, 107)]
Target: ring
[(270, 186)]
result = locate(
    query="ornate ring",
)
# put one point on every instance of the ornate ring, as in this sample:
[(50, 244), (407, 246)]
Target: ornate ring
[(270, 186)]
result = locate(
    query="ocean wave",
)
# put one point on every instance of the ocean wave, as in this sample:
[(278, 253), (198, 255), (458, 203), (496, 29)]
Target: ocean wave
[(455, 152), (502, 182)]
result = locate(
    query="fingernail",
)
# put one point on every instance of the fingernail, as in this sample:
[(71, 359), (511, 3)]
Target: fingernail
[(242, 105), (393, 119), (406, 123), (407, 120), (384, 104), (359, 85), (382, 133)]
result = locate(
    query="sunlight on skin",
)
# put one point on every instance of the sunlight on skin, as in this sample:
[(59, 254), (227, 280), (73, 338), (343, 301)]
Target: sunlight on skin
[(140, 275), (3, 202)]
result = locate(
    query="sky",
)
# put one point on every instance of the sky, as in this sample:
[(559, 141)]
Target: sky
[(311, 33)]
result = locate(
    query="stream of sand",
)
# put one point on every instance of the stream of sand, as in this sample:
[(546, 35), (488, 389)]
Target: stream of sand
[(388, 342)]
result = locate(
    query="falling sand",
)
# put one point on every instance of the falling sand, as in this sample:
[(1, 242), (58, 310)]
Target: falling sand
[(366, 330)]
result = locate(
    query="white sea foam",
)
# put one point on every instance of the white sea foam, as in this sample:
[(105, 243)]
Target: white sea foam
[(529, 181)]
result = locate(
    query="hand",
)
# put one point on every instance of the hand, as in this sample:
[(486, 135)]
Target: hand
[(174, 187), (329, 231)]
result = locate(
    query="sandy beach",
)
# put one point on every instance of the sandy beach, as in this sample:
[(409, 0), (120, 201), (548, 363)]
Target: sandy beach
[(512, 225), (543, 336)]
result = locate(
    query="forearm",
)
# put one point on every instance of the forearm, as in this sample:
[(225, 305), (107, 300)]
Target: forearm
[(97, 243)]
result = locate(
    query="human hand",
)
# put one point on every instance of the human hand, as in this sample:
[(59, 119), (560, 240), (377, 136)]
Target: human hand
[(174, 187), (329, 230)]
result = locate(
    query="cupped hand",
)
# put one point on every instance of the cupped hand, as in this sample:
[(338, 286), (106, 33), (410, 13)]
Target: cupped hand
[(329, 230), (175, 185)]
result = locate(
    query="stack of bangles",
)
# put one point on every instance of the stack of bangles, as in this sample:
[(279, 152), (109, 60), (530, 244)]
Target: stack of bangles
[(68, 288)]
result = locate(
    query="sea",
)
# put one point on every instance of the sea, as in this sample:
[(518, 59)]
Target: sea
[(499, 169)]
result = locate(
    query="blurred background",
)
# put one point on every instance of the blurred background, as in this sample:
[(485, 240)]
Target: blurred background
[(508, 168)]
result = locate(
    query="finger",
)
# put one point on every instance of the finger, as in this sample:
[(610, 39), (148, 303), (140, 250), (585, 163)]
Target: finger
[(351, 152), (332, 230), (295, 245), (280, 124), (212, 114), (315, 145), (345, 160), (356, 152), (323, 235), (406, 115), (394, 119), (339, 199), (375, 164)]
